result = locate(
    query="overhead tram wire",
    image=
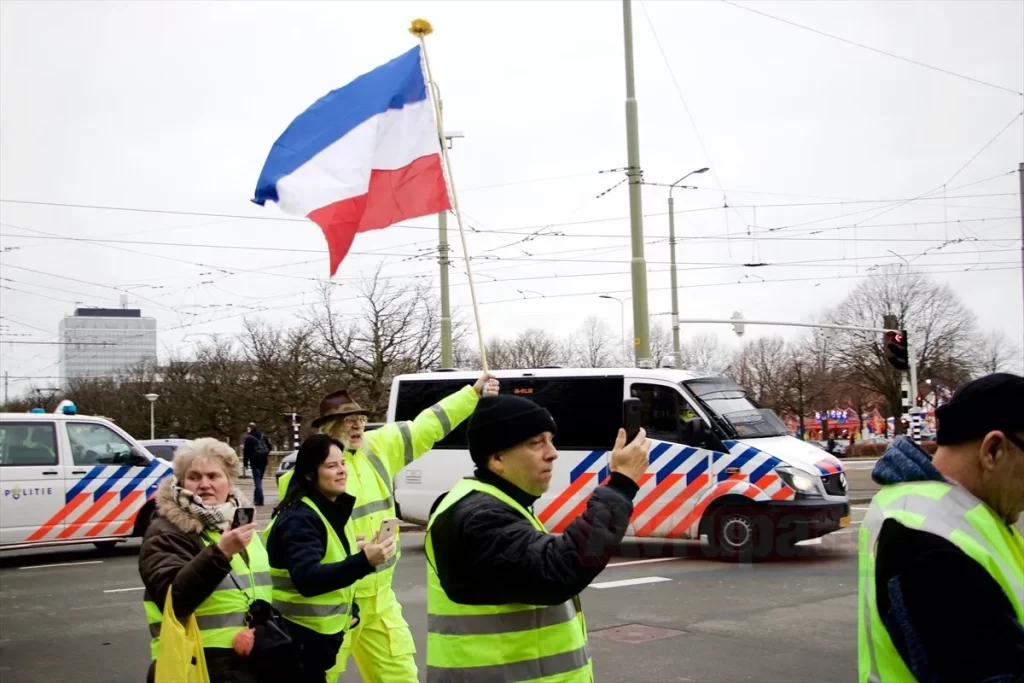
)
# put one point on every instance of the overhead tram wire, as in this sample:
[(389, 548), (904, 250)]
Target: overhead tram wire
[(874, 49)]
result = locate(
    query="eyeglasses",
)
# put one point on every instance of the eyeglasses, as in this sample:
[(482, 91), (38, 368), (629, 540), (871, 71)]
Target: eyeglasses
[(355, 420)]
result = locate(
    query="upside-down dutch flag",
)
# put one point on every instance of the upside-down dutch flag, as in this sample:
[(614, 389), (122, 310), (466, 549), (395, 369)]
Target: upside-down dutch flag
[(362, 157)]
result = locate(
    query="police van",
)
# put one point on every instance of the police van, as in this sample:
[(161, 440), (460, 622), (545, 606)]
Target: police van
[(69, 479), (720, 465)]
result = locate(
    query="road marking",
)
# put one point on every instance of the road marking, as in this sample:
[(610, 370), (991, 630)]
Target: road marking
[(859, 507), (810, 541), (124, 590), (629, 582), (62, 564), (655, 559)]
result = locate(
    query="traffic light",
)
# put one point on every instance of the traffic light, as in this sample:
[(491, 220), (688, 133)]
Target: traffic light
[(920, 401), (896, 350)]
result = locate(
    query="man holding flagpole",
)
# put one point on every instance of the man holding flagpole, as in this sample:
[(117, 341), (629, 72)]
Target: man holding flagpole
[(364, 157)]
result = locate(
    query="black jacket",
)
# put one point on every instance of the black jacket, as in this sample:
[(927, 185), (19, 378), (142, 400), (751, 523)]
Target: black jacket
[(486, 553), (252, 440), (297, 543), (947, 617)]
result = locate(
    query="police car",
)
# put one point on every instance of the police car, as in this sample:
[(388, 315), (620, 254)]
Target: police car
[(720, 465), (69, 479)]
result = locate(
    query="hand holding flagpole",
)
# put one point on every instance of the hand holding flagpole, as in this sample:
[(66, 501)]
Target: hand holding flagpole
[(421, 28)]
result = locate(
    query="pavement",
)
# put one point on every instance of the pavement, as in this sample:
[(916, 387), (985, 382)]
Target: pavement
[(661, 612)]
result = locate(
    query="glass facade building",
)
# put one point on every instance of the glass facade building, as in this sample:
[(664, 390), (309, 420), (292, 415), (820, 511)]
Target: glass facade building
[(100, 342)]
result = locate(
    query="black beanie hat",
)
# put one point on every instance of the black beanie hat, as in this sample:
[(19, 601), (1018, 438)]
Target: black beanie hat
[(503, 421), (989, 403)]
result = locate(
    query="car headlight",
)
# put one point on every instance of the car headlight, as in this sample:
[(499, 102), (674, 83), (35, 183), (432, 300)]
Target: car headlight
[(799, 481), (285, 466)]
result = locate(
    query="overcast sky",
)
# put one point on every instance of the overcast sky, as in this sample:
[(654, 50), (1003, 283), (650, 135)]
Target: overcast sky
[(172, 107)]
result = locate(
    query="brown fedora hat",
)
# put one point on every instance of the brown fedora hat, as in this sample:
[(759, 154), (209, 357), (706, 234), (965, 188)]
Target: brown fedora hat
[(337, 404)]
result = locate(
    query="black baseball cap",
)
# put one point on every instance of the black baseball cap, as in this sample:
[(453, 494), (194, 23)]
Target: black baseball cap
[(989, 403)]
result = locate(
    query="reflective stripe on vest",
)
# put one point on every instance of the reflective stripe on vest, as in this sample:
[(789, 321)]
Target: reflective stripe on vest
[(326, 613), (954, 514), (222, 614), (511, 642)]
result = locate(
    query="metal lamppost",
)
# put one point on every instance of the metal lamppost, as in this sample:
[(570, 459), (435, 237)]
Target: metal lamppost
[(676, 349), (152, 414), (622, 318), (447, 354)]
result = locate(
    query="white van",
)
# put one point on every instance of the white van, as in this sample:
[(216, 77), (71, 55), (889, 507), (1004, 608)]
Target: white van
[(720, 466), (68, 479)]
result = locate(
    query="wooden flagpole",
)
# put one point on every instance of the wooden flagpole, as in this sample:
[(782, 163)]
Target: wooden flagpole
[(421, 28)]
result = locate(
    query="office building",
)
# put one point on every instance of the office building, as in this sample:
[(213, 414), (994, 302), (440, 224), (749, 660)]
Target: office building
[(100, 342)]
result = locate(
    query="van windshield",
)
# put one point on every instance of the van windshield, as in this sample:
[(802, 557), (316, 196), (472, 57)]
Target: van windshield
[(729, 402)]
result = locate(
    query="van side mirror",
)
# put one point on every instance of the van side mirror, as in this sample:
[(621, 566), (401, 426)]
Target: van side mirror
[(136, 459), (695, 433)]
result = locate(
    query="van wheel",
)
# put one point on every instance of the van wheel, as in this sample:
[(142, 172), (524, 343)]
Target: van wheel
[(105, 545), (735, 534)]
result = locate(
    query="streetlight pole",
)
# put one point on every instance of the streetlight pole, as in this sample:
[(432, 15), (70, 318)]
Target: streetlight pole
[(152, 414), (447, 356), (622, 320), (641, 323), (676, 349)]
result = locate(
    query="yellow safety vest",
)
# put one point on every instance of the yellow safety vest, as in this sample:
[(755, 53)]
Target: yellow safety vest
[(510, 642), (327, 613), (952, 513), (372, 470), (222, 615)]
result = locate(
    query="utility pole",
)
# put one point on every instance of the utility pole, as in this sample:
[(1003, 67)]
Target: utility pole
[(676, 347), (447, 356), (1020, 172), (641, 322), (6, 380)]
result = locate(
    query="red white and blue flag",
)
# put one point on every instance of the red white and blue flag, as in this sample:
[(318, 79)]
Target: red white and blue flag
[(363, 157)]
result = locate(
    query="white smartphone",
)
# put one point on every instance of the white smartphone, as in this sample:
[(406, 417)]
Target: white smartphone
[(388, 528)]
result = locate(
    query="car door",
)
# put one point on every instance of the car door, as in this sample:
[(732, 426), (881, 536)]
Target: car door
[(31, 485), (678, 475), (105, 486)]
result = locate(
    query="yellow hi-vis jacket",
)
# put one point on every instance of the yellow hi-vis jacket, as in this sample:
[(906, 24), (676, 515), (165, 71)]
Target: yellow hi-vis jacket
[(952, 513), (372, 470), (222, 615), (327, 613), (509, 643)]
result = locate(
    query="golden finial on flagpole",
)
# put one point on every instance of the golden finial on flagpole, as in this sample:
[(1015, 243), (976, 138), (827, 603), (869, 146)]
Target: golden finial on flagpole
[(421, 28)]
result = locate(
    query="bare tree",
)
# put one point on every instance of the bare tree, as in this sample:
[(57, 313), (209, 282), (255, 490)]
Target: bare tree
[(940, 326), (534, 348), (706, 353), (396, 331), (761, 367), (593, 345), (996, 353)]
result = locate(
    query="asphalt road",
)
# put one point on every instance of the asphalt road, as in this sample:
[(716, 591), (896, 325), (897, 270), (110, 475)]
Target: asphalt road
[(660, 613)]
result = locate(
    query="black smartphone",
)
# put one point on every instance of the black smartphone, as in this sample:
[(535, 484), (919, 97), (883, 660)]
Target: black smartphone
[(243, 516), (631, 418)]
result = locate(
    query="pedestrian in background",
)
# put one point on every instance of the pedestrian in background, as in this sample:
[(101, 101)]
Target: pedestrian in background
[(315, 558), (941, 564), (210, 570), (381, 643), (494, 573), (256, 450)]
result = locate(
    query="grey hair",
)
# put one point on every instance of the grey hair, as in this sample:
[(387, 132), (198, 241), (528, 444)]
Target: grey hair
[(206, 449)]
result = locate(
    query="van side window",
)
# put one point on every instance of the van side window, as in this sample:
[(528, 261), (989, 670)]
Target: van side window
[(415, 397), (587, 410), (662, 410), (95, 444), (27, 443)]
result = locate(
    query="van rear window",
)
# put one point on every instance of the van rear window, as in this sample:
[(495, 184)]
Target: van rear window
[(587, 410)]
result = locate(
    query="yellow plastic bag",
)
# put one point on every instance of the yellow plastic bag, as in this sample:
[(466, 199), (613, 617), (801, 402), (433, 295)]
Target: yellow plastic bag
[(180, 658)]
